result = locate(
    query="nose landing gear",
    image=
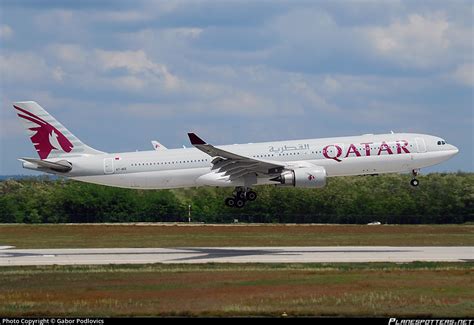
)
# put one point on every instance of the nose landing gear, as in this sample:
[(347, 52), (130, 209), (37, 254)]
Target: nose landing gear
[(414, 182), (240, 196)]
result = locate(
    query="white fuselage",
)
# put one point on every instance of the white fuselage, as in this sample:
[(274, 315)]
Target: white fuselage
[(190, 167)]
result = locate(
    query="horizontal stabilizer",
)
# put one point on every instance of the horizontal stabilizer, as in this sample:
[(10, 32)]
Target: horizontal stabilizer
[(62, 166)]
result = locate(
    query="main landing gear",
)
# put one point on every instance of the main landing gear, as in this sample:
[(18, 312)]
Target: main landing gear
[(414, 182), (240, 196)]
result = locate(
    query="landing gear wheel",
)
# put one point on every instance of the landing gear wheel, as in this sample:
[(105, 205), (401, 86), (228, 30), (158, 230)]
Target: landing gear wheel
[(414, 182), (251, 196), (230, 202), (240, 195), (239, 203)]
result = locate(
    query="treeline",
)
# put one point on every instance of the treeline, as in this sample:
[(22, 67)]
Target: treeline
[(440, 198)]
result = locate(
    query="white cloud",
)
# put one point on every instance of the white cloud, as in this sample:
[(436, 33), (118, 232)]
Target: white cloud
[(389, 113), (186, 32), (331, 84), (464, 74), (57, 20), (369, 86), (137, 62), (122, 16), (236, 103), (91, 67), (23, 67), (316, 100), (245, 103), (6, 32), (408, 35), (129, 83), (167, 35), (420, 41), (58, 74), (69, 53), (133, 61), (11, 128)]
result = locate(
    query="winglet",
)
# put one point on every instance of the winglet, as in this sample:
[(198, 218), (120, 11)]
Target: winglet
[(195, 140)]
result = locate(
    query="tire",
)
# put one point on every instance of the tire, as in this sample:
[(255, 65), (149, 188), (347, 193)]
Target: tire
[(251, 196), (240, 195), (239, 203), (230, 202), (414, 182)]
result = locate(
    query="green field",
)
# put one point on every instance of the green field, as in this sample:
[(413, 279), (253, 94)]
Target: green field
[(360, 289), (183, 235), (377, 289)]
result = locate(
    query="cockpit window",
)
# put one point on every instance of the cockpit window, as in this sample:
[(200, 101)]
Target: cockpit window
[(441, 143)]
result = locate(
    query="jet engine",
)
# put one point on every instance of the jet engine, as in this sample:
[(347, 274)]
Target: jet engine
[(313, 177)]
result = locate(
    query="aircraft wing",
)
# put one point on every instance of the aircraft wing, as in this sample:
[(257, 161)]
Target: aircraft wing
[(234, 165)]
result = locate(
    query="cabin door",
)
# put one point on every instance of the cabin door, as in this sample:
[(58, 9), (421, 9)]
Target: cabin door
[(108, 166)]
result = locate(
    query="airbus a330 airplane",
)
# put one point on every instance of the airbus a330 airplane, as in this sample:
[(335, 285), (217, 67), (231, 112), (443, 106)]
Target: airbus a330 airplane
[(298, 163)]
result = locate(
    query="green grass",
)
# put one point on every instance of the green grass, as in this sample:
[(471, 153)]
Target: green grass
[(360, 289), (365, 289), (126, 235)]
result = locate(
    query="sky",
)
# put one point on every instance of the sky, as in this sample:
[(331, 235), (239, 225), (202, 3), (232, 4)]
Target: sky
[(119, 74)]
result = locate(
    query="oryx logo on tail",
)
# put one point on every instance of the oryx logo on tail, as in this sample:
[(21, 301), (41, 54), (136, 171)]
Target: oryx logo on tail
[(47, 137)]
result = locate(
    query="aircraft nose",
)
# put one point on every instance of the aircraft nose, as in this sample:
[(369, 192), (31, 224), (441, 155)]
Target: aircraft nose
[(453, 150)]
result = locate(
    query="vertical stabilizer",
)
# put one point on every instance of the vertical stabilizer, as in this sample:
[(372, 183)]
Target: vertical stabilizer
[(49, 137)]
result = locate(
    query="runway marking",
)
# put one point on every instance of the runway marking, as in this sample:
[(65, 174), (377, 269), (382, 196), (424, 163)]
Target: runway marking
[(351, 254)]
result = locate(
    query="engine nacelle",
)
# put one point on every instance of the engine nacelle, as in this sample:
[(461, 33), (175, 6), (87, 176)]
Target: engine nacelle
[(314, 177)]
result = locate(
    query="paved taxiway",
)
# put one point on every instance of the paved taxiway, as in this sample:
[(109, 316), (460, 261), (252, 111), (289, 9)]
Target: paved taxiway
[(10, 256)]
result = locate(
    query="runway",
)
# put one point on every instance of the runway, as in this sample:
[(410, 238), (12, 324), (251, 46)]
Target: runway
[(96, 256)]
